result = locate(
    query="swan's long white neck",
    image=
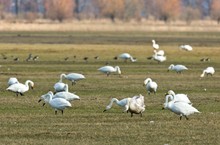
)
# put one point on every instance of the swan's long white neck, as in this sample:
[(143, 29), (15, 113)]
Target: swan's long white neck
[(61, 77), (27, 83), (203, 73), (132, 59), (118, 69), (112, 101), (147, 81), (66, 88)]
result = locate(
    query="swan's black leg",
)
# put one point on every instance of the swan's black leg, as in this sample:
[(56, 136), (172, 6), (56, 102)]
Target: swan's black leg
[(62, 112), (55, 112)]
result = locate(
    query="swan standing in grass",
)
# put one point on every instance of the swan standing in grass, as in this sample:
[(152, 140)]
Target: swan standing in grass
[(136, 105), (65, 95), (178, 68), (122, 103), (208, 71), (155, 45), (127, 56), (12, 81), (180, 108), (73, 77), (59, 86), (151, 86), (58, 103), (20, 88), (109, 69), (186, 47), (179, 97)]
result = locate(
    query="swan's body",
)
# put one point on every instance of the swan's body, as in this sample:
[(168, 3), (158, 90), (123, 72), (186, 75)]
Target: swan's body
[(155, 45), (178, 68), (208, 71), (151, 86), (159, 58), (12, 81), (180, 108), (109, 69), (179, 97), (127, 56), (59, 87), (159, 52), (20, 88), (122, 103), (58, 103), (186, 47), (73, 77), (136, 105)]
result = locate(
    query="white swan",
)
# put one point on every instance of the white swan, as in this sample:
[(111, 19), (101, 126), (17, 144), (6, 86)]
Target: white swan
[(208, 71), (151, 86), (12, 81), (127, 56), (59, 86), (73, 77), (159, 52), (109, 69), (122, 103), (20, 88), (180, 108), (155, 45), (179, 97), (178, 68), (65, 95), (136, 105), (159, 58), (186, 47), (58, 103)]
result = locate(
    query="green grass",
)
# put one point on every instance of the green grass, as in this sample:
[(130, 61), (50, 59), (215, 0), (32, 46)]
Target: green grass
[(24, 121)]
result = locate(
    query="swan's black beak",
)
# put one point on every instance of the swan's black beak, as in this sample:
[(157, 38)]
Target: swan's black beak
[(32, 87), (39, 100)]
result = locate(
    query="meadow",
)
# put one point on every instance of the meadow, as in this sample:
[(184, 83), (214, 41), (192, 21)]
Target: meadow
[(25, 121)]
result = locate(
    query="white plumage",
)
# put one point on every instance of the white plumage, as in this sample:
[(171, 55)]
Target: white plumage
[(179, 97), (180, 108), (122, 103), (20, 88), (58, 103), (127, 56), (151, 86), (73, 77), (155, 45), (186, 47), (12, 81), (110, 69), (159, 58), (136, 105), (65, 95), (208, 71), (178, 68), (159, 52)]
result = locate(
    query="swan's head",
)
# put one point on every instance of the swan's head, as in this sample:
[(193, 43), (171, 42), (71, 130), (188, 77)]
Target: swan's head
[(153, 41), (146, 81), (171, 92), (202, 75), (170, 67), (107, 108)]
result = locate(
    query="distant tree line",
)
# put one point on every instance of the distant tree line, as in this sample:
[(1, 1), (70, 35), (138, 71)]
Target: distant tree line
[(166, 10)]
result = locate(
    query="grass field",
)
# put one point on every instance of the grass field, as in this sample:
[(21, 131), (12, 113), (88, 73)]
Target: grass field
[(25, 121)]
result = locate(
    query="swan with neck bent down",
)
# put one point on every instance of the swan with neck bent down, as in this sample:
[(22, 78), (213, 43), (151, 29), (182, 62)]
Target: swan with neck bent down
[(127, 56), (110, 69), (179, 108), (208, 71), (178, 68), (59, 86), (20, 88), (73, 77), (122, 103)]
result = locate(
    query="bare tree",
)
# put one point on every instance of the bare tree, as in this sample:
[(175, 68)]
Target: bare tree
[(59, 9), (215, 10)]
